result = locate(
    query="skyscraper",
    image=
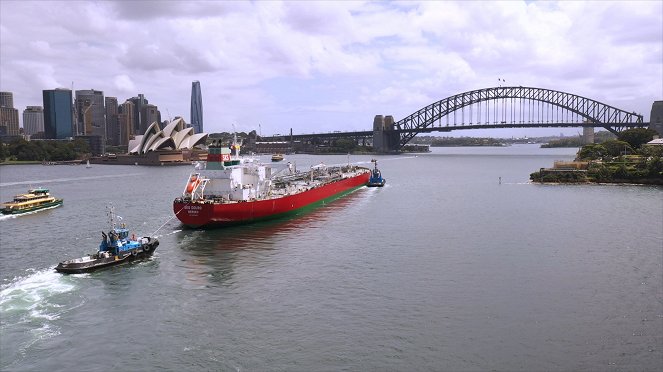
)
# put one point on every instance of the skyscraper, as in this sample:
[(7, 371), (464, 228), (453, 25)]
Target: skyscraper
[(58, 114), (8, 115), (196, 107), (125, 120), (7, 99), (95, 100), (112, 128), (33, 120), (148, 114), (138, 106)]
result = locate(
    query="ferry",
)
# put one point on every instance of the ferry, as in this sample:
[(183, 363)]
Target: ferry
[(115, 248), (277, 157), (227, 190), (35, 200)]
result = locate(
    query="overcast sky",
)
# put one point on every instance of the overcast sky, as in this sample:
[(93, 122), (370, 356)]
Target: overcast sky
[(322, 66)]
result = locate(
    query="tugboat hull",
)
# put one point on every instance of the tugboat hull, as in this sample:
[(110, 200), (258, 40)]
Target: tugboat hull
[(98, 261)]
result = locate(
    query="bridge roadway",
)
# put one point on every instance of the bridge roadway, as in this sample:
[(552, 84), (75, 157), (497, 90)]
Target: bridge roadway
[(445, 128)]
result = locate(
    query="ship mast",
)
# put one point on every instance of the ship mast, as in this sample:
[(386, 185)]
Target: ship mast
[(235, 142)]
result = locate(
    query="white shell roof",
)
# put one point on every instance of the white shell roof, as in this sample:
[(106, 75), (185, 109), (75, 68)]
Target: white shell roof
[(176, 135)]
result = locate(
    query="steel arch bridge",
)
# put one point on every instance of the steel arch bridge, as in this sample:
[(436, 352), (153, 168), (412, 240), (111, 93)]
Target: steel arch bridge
[(513, 107)]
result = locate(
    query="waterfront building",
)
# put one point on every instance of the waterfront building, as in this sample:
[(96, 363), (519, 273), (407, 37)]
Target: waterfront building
[(7, 99), (175, 136), (58, 114), (33, 120), (196, 107), (112, 126)]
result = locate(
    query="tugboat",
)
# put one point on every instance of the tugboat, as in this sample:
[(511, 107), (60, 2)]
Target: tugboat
[(116, 247), (376, 179), (36, 199)]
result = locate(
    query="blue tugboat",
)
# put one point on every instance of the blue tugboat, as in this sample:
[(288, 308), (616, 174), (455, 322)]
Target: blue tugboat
[(116, 247), (376, 179)]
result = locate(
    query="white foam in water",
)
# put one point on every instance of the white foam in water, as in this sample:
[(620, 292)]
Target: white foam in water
[(32, 299), (35, 301), (24, 293), (8, 216)]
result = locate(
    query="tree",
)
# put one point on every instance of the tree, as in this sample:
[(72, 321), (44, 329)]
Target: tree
[(4, 151), (592, 152), (617, 147), (636, 137), (345, 144)]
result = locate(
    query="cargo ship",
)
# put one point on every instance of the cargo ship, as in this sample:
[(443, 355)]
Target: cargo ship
[(34, 200), (229, 190)]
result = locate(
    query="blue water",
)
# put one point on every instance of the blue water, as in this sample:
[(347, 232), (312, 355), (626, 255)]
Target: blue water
[(458, 263)]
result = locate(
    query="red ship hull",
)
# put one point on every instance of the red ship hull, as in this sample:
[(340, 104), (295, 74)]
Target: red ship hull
[(197, 214)]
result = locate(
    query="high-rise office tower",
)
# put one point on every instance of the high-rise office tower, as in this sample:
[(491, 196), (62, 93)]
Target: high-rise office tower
[(148, 114), (33, 120), (196, 107), (92, 100), (125, 120), (138, 106), (7, 99), (112, 128), (8, 115), (58, 114)]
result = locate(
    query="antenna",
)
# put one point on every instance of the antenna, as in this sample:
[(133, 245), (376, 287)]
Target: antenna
[(169, 118)]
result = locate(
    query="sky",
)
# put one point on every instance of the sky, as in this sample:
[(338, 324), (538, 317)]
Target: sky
[(321, 66)]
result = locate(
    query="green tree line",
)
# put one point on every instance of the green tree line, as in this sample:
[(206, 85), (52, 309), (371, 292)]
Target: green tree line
[(22, 150), (624, 159)]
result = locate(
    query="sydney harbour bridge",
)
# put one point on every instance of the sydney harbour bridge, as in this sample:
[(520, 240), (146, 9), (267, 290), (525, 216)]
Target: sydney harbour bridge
[(489, 108)]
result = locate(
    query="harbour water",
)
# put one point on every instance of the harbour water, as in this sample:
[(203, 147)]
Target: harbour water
[(457, 264)]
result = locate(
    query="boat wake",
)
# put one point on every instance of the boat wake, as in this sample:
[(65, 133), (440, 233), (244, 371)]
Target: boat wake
[(30, 307), (166, 234), (10, 216)]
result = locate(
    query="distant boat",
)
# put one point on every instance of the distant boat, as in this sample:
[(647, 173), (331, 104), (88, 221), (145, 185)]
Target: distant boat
[(34, 200), (277, 157), (87, 165)]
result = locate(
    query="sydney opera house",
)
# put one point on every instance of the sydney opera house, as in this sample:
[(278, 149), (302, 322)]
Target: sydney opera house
[(174, 144)]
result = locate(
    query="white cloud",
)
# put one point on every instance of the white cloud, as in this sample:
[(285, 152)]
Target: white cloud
[(124, 84), (335, 64)]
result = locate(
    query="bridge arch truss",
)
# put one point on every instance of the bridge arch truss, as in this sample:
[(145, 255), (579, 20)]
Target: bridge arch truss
[(513, 107)]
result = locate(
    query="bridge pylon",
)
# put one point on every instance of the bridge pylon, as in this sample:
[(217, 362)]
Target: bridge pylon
[(385, 139)]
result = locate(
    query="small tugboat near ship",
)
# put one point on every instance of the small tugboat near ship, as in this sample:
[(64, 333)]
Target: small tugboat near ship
[(376, 179), (116, 247), (227, 190)]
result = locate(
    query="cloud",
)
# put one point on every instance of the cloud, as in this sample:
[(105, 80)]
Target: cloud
[(124, 84), (328, 63)]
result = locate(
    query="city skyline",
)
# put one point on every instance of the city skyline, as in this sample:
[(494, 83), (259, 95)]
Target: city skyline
[(325, 66)]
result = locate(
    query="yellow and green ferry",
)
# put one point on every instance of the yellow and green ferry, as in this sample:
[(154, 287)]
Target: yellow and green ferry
[(36, 199)]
